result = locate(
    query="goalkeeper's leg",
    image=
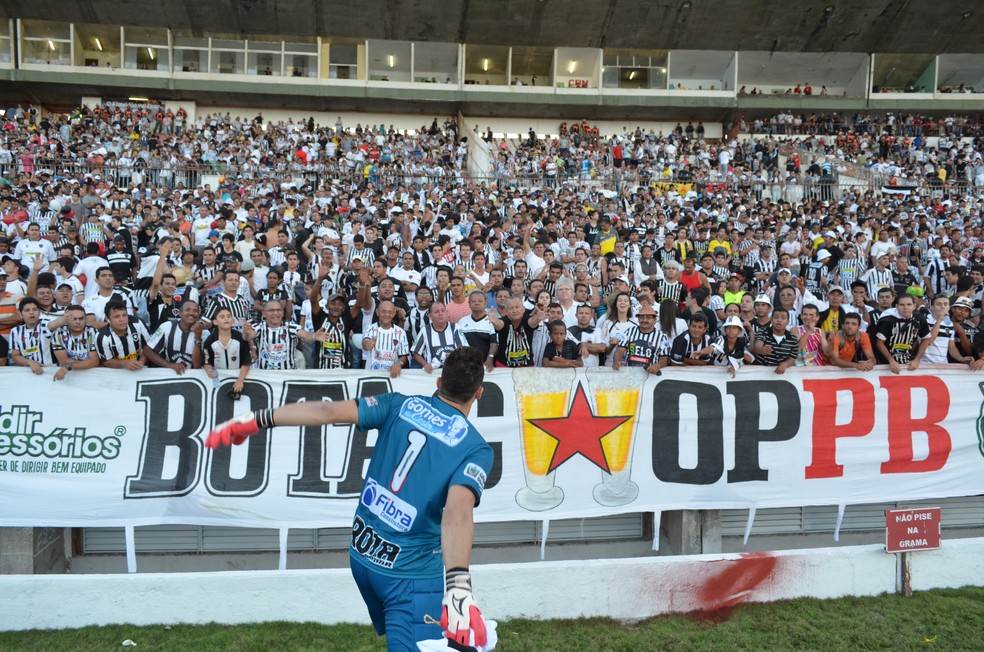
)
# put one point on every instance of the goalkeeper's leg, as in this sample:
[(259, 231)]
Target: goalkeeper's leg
[(408, 607)]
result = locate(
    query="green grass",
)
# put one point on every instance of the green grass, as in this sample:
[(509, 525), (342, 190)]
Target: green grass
[(932, 620)]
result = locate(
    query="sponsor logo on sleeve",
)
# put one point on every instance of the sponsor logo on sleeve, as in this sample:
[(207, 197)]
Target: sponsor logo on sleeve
[(448, 429), (393, 511), (475, 472)]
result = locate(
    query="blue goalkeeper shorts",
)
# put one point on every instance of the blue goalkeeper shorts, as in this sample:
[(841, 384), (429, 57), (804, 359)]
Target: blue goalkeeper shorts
[(398, 606)]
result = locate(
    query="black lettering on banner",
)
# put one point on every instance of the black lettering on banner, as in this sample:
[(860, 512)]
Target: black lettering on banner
[(163, 401), (748, 436), (495, 473), (218, 476), (492, 404), (359, 450), (666, 432), (311, 478)]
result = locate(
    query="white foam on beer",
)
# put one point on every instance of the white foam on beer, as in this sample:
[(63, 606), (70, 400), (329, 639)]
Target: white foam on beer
[(603, 378), (542, 381)]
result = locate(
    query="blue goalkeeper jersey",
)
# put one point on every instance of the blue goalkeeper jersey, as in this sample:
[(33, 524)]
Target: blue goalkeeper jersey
[(424, 447)]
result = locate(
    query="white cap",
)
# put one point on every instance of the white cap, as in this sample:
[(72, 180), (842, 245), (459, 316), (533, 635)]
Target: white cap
[(733, 320), (823, 255)]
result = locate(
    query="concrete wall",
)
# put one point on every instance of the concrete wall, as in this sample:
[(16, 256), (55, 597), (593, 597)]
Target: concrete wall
[(621, 588)]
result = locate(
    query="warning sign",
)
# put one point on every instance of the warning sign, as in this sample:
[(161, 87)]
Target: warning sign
[(907, 530)]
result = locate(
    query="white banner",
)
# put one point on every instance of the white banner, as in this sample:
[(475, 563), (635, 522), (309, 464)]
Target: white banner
[(114, 448)]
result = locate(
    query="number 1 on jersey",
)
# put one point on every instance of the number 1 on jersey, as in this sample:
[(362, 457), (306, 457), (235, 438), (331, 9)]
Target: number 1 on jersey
[(417, 441)]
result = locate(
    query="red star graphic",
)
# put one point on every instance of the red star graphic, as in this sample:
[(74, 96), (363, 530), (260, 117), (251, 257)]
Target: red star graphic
[(579, 432)]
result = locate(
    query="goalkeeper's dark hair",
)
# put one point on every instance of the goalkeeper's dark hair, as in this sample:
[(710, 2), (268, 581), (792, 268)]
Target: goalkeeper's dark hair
[(462, 375)]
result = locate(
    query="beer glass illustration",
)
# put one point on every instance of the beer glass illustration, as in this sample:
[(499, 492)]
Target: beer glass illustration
[(540, 394), (616, 393)]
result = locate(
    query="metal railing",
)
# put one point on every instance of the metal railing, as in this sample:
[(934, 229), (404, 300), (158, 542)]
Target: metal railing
[(853, 179)]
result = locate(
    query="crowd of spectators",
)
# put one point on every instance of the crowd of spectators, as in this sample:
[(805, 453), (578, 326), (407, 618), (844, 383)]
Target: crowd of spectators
[(860, 124), (338, 247)]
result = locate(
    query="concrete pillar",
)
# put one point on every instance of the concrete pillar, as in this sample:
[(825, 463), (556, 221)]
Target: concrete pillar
[(30, 551), (691, 532)]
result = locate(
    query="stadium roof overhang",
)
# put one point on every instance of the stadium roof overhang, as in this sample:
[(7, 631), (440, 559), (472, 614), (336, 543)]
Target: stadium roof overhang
[(887, 26)]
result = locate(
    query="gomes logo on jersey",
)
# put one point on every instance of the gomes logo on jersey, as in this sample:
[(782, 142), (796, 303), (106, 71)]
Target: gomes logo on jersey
[(393, 511), (449, 429)]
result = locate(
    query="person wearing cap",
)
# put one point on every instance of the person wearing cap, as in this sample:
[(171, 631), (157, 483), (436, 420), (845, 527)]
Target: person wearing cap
[(671, 287), (733, 292), (940, 344), (122, 261), (831, 318), (964, 330), (761, 316), (643, 345), (333, 350), (830, 239), (730, 349)]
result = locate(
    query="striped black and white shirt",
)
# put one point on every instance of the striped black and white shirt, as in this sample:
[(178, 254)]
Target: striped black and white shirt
[(389, 344), (643, 349), (231, 356), (676, 291), (365, 254), (876, 280), (435, 346), (275, 347), (129, 346), (77, 347), (33, 343), (172, 343), (333, 352), (763, 266), (416, 320), (239, 305)]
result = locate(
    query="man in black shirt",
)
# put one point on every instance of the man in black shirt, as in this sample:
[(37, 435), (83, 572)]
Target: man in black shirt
[(686, 345), (898, 335), (122, 261)]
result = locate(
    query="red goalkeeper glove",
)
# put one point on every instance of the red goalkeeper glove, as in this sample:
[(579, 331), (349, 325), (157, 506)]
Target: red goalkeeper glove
[(235, 431), (460, 618)]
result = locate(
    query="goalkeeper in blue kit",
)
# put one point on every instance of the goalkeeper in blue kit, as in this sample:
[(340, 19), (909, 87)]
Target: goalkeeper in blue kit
[(414, 518)]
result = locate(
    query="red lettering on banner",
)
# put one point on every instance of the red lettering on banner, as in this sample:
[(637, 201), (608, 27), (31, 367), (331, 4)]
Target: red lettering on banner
[(826, 430), (901, 424)]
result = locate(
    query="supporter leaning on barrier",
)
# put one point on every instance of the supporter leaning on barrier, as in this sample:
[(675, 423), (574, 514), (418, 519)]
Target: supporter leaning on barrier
[(74, 343)]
